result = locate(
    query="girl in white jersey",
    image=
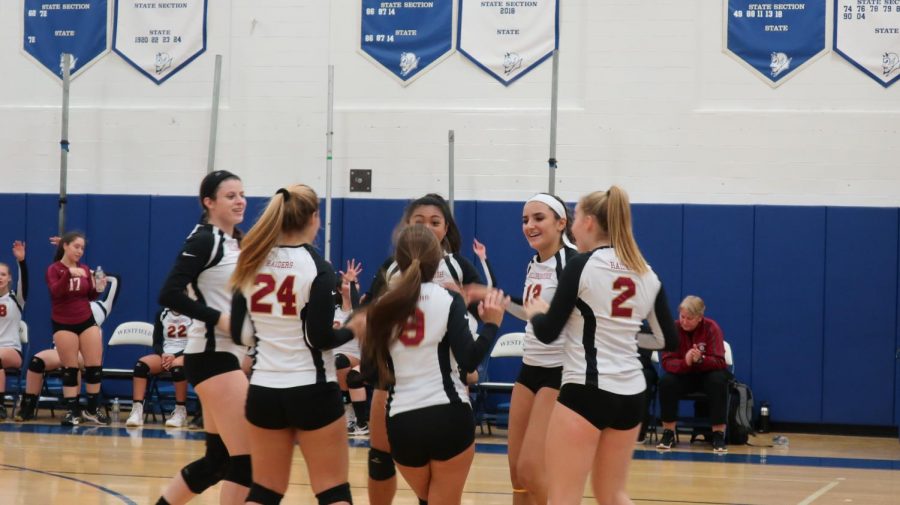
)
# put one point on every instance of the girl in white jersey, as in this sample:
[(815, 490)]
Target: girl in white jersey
[(170, 331), (454, 272), (212, 361), (12, 302), (418, 332), (546, 224), (287, 289), (600, 301)]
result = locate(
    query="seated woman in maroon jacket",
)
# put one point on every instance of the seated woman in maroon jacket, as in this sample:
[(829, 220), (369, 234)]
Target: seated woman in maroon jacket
[(697, 365), (72, 287)]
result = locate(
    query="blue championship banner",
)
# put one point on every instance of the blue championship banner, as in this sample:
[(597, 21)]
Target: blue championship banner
[(867, 34), (408, 37), (775, 39), (77, 28), (508, 38), (159, 38)]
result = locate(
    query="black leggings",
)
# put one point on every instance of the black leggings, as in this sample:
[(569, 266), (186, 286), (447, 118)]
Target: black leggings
[(715, 384)]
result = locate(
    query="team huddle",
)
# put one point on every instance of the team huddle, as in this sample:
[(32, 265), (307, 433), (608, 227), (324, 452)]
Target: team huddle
[(415, 338)]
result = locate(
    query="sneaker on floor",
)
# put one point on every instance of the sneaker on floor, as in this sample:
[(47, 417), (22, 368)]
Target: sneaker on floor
[(137, 416), (718, 442), (359, 430), (27, 408), (178, 419), (196, 423), (71, 419), (95, 416), (668, 440), (3, 413)]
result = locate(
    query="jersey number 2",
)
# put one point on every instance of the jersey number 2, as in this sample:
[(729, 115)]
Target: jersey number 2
[(285, 295), (413, 332), (629, 291)]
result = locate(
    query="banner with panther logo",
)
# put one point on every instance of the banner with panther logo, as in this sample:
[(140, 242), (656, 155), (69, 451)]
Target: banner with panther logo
[(775, 40), (77, 28), (867, 34), (406, 38), (508, 38), (159, 38)]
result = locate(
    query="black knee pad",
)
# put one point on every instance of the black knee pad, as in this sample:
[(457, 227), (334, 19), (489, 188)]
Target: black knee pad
[(338, 493), (141, 370), (264, 495), (93, 374), (355, 380), (239, 470), (208, 470), (70, 377), (178, 373), (381, 465), (423, 502), (37, 365), (341, 361)]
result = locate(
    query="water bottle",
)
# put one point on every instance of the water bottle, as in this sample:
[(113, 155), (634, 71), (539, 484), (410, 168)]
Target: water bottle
[(99, 274), (702, 348), (115, 408), (764, 418)]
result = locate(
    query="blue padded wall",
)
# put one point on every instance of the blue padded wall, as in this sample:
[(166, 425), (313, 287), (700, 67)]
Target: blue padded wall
[(788, 289), (860, 315), (718, 267), (820, 346), (658, 230)]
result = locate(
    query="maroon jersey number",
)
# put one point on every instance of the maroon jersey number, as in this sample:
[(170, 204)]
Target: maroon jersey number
[(413, 332), (629, 291), (177, 331), (2, 310), (533, 291), (285, 295)]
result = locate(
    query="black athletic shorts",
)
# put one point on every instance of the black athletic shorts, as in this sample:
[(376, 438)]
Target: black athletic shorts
[(537, 377), (302, 407), (602, 408), (201, 366), (77, 329), (436, 433)]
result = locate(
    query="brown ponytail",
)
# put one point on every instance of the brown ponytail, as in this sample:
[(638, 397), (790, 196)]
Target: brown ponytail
[(418, 255)]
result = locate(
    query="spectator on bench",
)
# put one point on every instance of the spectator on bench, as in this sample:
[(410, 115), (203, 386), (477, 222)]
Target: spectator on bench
[(697, 365)]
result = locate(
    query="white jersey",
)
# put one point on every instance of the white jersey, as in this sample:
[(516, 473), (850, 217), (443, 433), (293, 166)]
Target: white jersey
[(541, 280), (291, 308), (599, 305), (11, 306), (429, 350), (173, 328), (198, 287), (350, 348)]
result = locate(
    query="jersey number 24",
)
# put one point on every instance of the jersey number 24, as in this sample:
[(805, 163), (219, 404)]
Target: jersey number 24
[(285, 295)]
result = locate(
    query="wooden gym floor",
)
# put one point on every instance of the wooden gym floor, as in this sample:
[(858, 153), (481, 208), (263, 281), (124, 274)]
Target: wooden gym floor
[(43, 463)]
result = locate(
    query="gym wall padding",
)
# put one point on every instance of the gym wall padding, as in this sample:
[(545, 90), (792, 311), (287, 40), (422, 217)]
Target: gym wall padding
[(807, 296)]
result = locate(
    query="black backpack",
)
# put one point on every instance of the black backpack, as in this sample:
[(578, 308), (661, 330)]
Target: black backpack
[(740, 413)]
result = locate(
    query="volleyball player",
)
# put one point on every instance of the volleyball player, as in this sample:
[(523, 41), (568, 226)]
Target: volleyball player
[(600, 301), (12, 303), (49, 359), (286, 289), (547, 225), (169, 340), (346, 357), (212, 361), (454, 272), (418, 330), (72, 286)]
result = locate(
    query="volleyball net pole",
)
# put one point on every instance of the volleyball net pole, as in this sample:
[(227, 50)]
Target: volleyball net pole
[(64, 142), (329, 155), (214, 115), (554, 99)]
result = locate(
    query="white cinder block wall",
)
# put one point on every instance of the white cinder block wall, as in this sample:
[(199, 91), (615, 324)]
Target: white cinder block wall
[(647, 100)]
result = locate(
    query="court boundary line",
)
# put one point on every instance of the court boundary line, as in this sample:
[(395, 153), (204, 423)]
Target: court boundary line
[(820, 492), (113, 493)]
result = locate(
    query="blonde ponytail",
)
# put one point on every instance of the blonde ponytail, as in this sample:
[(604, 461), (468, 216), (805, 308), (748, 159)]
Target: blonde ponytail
[(613, 213)]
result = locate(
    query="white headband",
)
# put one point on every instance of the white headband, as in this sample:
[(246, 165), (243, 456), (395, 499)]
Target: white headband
[(557, 207), (551, 202)]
